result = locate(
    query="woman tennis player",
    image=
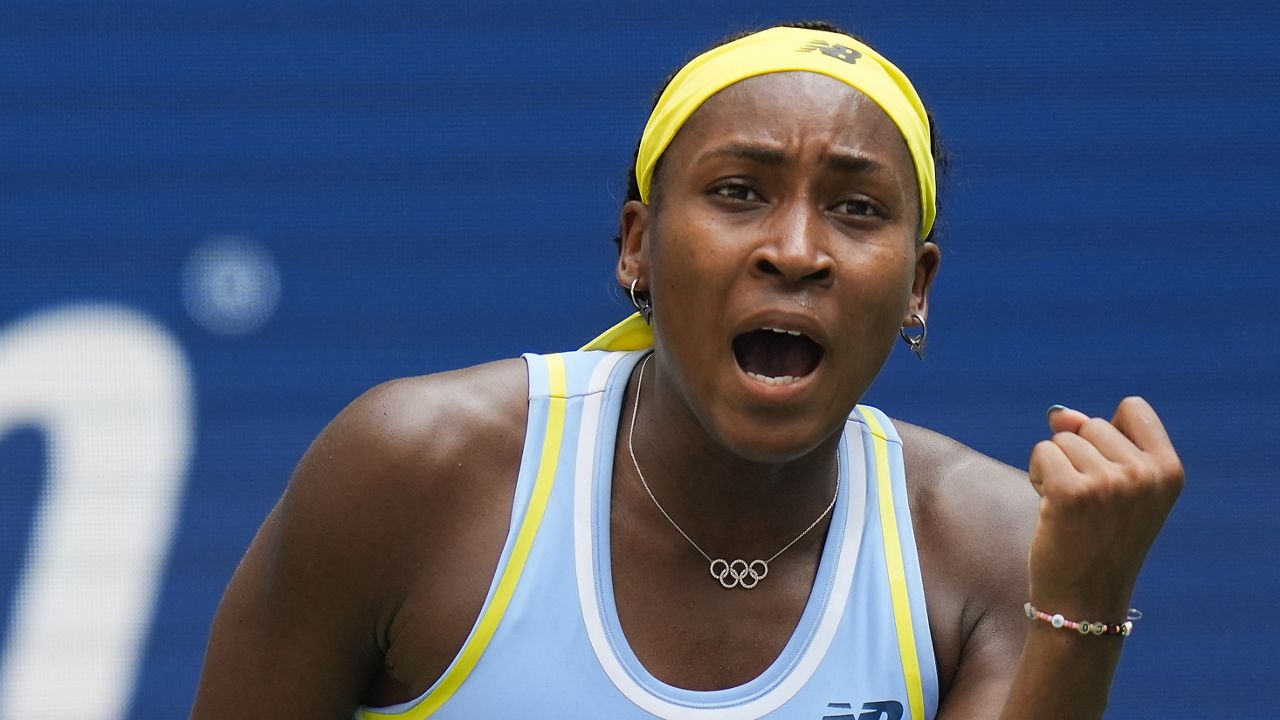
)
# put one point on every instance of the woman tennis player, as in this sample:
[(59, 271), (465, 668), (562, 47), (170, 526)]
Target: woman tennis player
[(694, 517)]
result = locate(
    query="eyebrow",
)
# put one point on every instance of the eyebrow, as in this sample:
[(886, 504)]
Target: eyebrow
[(845, 162), (746, 151)]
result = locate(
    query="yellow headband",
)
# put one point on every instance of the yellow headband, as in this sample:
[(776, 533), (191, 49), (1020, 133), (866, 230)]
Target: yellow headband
[(779, 49), (785, 49)]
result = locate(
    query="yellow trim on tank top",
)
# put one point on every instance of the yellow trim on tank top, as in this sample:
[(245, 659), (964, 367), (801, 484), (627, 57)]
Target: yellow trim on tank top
[(492, 614), (897, 569)]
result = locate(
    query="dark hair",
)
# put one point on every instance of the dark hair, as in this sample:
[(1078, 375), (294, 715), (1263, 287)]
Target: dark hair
[(941, 160)]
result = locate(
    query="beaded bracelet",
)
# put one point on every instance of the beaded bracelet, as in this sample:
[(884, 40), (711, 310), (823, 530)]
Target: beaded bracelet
[(1124, 629)]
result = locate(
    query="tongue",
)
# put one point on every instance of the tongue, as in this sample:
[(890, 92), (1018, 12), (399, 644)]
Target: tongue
[(772, 354)]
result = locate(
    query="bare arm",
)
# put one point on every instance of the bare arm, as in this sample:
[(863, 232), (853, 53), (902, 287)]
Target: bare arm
[(312, 612), (297, 630), (974, 518)]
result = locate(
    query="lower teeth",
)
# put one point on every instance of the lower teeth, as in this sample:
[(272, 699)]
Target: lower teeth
[(783, 380)]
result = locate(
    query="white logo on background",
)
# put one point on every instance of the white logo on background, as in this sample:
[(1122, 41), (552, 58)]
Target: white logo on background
[(112, 392)]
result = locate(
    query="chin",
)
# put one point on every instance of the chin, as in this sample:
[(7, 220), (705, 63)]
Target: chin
[(773, 440)]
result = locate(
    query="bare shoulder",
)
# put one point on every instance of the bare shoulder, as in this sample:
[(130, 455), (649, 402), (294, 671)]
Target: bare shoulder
[(973, 518), (426, 422), (413, 440), (433, 412), (957, 489), (392, 509), (394, 475)]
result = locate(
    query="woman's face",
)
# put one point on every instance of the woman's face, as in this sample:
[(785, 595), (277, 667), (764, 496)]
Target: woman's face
[(780, 253)]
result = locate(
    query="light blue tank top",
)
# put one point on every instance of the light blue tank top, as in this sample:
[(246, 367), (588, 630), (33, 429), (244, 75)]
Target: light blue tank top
[(548, 643)]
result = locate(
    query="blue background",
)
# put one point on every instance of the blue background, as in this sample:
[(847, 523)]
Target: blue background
[(439, 184)]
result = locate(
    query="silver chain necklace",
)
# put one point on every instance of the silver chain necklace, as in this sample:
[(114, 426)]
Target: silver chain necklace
[(729, 573)]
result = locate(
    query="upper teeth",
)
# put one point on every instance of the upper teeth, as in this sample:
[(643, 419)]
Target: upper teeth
[(780, 330)]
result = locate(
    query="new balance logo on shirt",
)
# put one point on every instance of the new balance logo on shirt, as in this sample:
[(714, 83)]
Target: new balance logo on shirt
[(879, 710)]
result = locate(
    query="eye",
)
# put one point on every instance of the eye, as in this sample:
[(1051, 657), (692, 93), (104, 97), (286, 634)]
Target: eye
[(857, 208), (737, 190)]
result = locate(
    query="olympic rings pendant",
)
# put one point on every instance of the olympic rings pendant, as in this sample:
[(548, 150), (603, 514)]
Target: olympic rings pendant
[(739, 573)]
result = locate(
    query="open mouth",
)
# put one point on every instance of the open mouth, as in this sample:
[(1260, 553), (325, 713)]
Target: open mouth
[(775, 356)]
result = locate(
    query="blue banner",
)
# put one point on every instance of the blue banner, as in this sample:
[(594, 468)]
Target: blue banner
[(220, 222)]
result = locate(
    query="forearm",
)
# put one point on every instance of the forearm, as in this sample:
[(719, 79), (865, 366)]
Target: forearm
[(1062, 675), (1106, 488)]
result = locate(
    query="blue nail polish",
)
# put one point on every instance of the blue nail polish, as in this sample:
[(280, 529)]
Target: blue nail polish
[(1055, 408)]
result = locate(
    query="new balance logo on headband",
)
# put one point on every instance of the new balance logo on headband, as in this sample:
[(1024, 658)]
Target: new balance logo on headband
[(839, 52), (882, 710)]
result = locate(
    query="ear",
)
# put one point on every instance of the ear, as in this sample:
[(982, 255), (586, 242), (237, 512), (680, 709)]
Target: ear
[(928, 258), (633, 261)]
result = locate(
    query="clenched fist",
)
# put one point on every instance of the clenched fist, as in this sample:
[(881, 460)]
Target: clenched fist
[(1105, 489)]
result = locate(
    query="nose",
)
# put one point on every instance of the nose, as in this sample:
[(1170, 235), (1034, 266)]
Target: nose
[(792, 249)]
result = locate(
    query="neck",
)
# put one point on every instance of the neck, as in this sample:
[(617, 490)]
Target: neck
[(725, 502)]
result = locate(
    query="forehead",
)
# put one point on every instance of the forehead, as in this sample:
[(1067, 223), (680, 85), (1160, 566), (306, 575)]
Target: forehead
[(795, 110)]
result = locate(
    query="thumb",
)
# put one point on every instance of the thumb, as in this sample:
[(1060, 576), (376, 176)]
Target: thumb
[(1064, 419)]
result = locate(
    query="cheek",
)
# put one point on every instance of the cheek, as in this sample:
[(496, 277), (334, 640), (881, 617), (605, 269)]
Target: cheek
[(691, 263), (880, 284)]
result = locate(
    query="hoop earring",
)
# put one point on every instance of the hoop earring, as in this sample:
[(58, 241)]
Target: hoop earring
[(643, 304), (916, 343)]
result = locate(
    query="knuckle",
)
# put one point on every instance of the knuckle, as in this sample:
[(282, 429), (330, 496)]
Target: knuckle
[(1104, 489), (1168, 463), (1171, 473), (1110, 479), (1149, 476), (1042, 457), (1118, 478), (1139, 470), (1130, 409), (1133, 403), (1074, 497), (1095, 425), (1042, 448), (1061, 439), (1132, 482)]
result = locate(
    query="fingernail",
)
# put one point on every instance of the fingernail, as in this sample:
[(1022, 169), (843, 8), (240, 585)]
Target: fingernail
[(1054, 408)]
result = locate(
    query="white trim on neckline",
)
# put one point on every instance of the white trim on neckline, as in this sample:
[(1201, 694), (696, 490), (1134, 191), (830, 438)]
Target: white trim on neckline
[(810, 656)]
